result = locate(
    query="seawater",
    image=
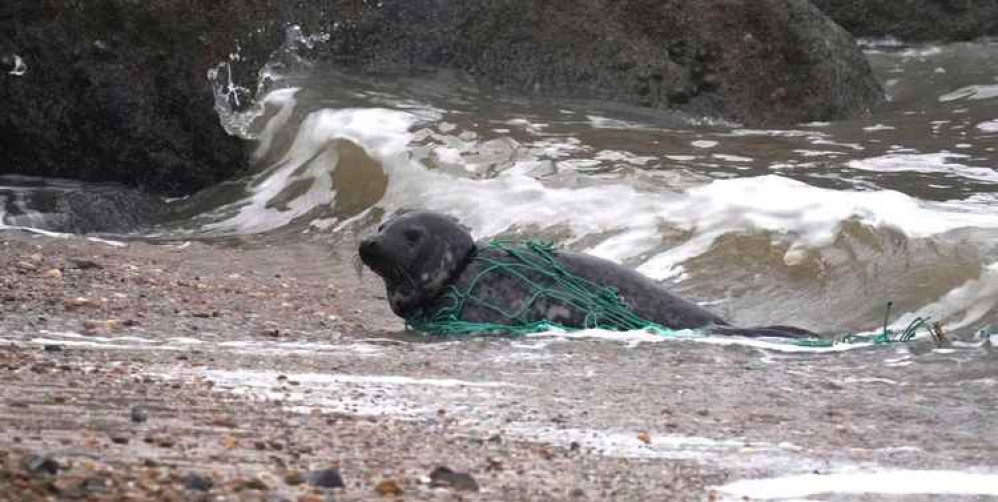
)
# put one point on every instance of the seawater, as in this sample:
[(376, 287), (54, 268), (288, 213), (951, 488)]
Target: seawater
[(819, 224)]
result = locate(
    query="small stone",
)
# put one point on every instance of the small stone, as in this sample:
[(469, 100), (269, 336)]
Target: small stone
[(577, 493), (445, 477), (230, 442), (35, 257), (388, 488), (325, 478), (53, 274), (93, 327), (139, 414), (644, 437), (119, 439), (84, 264), (224, 422), (294, 478), (196, 482), (26, 266), (53, 347), (39, 464), (250, 484), (80, 302)]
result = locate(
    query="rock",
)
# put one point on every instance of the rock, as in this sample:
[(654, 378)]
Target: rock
[(294, 478), (139, 414), (41, 465), (124, 87), (52, 347), (388, 488), (53, 274), (27, 266), (644, 437), (81, 302), (67, 206), (95, 327), (916, 20), (120, 439), (250, 484), (753, 61), (325, 478), (116, 91), (445, 477), (196, 482), (85, 264)]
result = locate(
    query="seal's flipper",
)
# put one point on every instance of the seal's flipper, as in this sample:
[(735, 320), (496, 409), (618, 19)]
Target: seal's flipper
[(764, 332)]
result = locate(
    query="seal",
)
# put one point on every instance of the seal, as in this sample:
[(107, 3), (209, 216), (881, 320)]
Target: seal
[(422, 255)]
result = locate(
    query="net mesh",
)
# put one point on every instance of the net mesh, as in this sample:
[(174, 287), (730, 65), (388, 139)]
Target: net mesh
[(535, 265)]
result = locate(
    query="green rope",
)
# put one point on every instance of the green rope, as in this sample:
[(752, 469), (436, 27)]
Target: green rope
[(602, 304)]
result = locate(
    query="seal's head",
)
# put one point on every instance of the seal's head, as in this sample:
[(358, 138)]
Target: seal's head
[(417, 254)]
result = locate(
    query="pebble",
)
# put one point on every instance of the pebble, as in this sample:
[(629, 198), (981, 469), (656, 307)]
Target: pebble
[(24, 265), (84, 264), (196, 482), (139, 414), (388, 488), (53, 347), (40, 464), (53, 274), (445, 477), (325, 478), (80, 302), (92, 327)]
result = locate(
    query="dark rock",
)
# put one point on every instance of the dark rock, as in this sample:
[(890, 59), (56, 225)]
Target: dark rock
[(754, 61), (68, 206), (916, 20), (41, 465), (139, 414), (52, 347), (325, 478), (84, 264), (196, 482), (444, 477), (116, 90)]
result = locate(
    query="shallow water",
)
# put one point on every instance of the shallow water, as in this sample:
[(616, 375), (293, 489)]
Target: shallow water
[(819, 224)]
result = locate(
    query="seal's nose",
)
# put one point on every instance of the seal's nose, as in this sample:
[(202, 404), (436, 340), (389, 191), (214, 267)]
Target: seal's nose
[(368, 247)]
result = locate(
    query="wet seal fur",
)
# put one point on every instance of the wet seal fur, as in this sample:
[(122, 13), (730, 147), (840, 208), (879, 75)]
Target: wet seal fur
[(421, 254)]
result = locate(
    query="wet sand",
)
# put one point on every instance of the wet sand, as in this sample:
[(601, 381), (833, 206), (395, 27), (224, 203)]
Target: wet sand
[(259, 361)]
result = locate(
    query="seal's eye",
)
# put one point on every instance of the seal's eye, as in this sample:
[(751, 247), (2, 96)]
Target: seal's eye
[(412, 235)]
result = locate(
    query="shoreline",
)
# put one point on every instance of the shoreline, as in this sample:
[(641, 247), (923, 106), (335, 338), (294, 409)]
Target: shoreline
[(261, 362)]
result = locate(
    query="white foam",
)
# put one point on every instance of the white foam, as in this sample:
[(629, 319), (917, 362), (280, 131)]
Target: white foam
[(925, 163), (989, 126), (625, 443), (964, 306), (381, 132), (731, 158), (368, 395), (972, 92), (884, 482), (703, 143), (598, 122), (878, 127), (634, 338), (19, 68)]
